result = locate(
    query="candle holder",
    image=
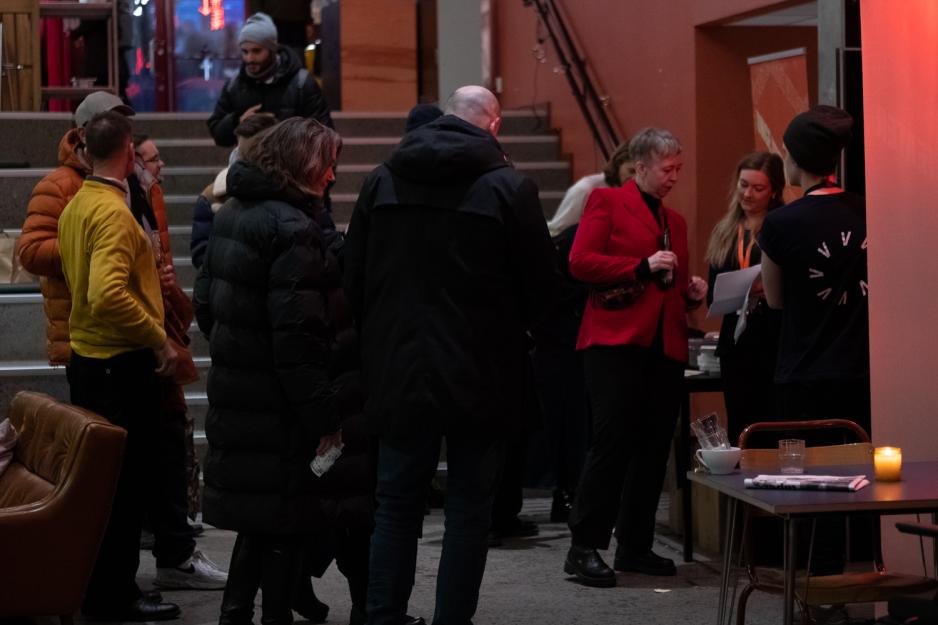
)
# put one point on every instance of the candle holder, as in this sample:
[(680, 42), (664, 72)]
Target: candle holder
[(887, 462)]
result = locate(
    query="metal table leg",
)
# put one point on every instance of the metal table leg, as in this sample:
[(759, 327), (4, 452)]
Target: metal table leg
[(791, 564), (725, 611), (934, 548), (683, 462)]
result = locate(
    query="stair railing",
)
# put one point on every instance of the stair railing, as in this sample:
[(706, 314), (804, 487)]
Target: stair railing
[(593, 106)]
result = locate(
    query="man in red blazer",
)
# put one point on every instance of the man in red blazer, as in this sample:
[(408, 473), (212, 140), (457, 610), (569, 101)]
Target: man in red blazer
[(634, 353)]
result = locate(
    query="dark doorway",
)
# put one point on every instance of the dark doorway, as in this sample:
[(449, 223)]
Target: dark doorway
[(428, 82), (850, 98)]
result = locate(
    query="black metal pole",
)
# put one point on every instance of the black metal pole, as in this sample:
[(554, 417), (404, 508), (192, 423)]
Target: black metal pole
[(597, 136), (582, 69)]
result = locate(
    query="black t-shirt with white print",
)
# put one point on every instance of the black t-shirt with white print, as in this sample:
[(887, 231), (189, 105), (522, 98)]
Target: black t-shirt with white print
[(820, 243)]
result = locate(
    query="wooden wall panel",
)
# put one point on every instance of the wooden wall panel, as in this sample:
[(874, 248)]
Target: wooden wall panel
[(379, 55)]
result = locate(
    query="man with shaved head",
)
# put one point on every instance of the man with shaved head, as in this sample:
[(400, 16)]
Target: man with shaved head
[(447, 263)]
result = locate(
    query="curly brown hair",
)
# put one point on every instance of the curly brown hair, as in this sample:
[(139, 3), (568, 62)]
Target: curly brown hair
[(295, 152)]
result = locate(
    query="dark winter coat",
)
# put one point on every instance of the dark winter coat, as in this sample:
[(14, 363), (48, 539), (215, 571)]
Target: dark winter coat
[(262, 298), (291, 93), (202, 217), (447, 263)]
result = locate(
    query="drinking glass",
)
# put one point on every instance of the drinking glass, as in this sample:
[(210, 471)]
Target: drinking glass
[(791, 456), (710, 434)]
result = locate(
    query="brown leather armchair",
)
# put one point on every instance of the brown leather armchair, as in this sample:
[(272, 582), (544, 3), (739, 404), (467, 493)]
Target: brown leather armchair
[(55, 499)]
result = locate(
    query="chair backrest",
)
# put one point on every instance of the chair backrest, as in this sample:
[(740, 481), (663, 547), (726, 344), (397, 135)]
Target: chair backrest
[(860, 452), (826, 455), (55, 500), (49, 434)]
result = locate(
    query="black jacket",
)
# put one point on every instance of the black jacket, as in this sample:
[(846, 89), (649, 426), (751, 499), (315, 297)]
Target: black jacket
[(261, 296), (447, 263), (287, 95)]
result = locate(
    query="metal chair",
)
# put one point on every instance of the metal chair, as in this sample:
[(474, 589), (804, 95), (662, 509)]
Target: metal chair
[(813, 591)]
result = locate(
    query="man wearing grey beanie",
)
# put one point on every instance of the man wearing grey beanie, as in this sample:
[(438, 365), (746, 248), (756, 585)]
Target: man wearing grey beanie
[(272, 79)]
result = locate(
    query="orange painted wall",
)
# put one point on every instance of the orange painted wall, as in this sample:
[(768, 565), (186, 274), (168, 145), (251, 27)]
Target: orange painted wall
[(900, 98), (379, 55), (659, 69)]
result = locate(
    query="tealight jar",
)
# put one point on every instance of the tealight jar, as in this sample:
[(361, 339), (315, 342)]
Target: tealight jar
[(887, 462)]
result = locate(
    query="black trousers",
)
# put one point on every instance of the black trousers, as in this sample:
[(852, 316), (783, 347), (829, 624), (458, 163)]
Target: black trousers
[(126, 391), (832, 399), (510, 495), (167, 503), (827, 399), (557, 451), (270, 561), (634, 395), (749, 390)]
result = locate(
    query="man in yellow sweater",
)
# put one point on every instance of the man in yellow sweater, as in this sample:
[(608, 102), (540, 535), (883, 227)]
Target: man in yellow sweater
[(119, 350)]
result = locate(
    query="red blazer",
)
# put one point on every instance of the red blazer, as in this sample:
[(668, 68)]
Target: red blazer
[(616, 232)]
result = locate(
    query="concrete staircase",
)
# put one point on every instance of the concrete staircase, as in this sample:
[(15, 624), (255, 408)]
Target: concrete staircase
[(28, 143)]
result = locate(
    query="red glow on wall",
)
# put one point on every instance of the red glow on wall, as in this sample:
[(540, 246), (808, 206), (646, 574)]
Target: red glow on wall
[(215, 11), (217, 21)]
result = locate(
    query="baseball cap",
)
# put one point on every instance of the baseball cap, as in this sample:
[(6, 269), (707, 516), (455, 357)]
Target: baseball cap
[(99, 102)]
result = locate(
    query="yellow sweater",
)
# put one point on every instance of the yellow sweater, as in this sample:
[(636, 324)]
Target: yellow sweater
[(111, 272)]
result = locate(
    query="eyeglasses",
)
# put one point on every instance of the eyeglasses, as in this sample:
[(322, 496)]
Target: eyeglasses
[(153, 159)]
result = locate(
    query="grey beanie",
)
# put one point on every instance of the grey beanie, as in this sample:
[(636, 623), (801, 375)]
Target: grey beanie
[(259, 29)]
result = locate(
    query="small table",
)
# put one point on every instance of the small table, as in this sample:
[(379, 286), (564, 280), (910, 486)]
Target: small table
[(916, 493), (694, 382)]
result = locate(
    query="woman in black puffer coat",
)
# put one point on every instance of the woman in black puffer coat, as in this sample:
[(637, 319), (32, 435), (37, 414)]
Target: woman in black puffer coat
[(261, 296)]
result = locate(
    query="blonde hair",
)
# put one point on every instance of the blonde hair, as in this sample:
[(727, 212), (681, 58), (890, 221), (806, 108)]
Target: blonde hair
[(724, 233)]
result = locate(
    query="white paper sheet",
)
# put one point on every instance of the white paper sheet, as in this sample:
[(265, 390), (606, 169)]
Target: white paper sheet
[(731, 290)]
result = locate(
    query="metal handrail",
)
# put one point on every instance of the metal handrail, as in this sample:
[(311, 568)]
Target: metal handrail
[(591, 104)]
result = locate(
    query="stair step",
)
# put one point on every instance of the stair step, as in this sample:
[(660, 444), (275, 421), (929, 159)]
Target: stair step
[(39, 375), (188, 151), (179, 208), (34, 137), (548, 175), (191, 180)]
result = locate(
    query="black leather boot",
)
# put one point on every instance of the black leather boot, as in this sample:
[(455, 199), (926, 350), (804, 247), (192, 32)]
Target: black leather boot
[(588, 567), (560, 506), (244, 578), (308, 605), (280, 572)]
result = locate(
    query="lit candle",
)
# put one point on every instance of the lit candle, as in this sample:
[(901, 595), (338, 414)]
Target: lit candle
[(888, 464)]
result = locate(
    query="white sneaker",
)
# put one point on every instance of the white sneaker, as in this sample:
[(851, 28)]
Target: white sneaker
[(198, 572)]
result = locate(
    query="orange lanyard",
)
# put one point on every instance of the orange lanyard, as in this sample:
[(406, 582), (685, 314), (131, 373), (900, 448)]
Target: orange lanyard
[(744, 257)]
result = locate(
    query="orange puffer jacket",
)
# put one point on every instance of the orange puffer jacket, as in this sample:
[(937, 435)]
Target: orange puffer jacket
[(177, 308), (38, 246)]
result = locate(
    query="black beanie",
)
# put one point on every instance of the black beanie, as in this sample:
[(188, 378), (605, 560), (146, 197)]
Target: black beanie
[(420, 115), (815, 138)]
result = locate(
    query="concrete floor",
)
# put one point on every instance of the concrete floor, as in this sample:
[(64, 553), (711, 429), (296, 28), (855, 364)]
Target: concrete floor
[(524, 584)]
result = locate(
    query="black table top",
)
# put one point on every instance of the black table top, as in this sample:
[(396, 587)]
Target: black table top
[(916, 492)]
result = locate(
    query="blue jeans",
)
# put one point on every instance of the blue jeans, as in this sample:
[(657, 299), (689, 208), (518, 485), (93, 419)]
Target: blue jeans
[(403, 480)]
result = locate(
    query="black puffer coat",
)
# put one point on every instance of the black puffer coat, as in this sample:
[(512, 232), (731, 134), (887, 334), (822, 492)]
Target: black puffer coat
[(447, 263), (289, 94), (261, 296)]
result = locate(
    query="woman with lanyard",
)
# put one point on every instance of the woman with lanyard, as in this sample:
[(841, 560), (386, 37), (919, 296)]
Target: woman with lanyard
[(747, 356)]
